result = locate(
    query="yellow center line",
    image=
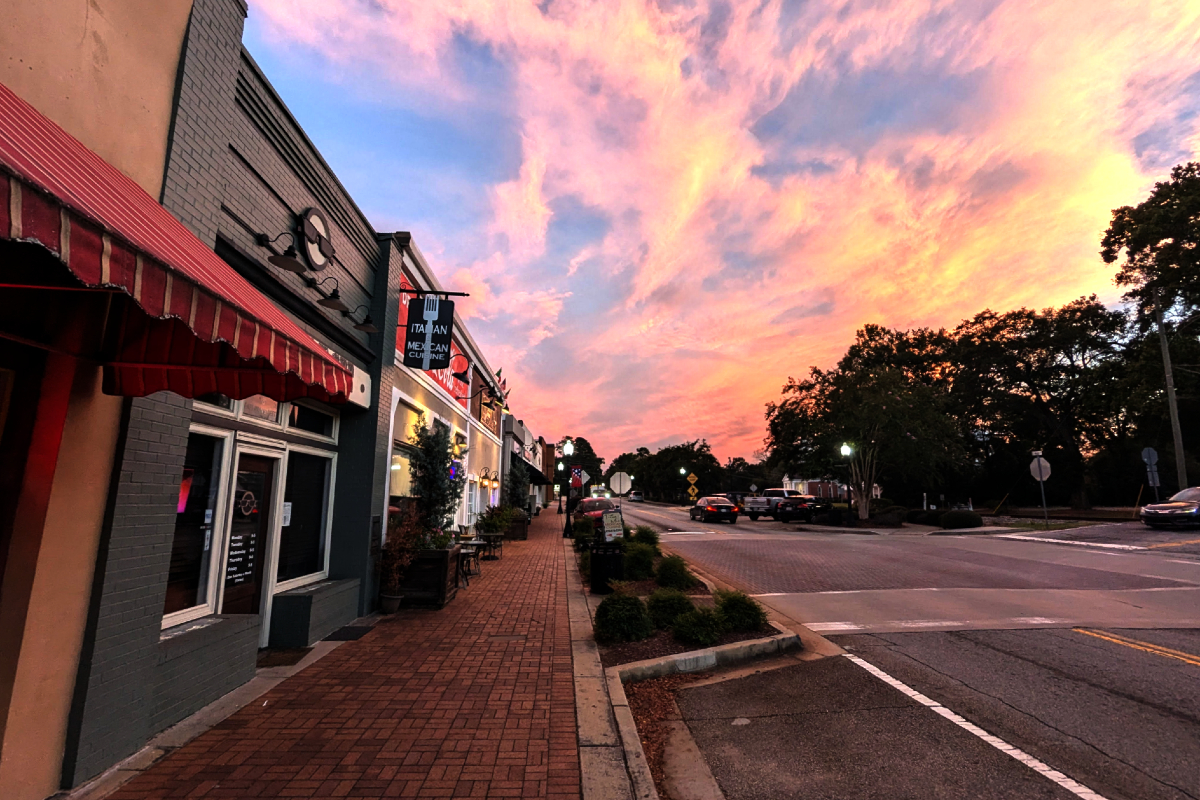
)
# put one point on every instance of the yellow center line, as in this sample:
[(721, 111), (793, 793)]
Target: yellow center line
[(1172, 544), (1147, 647)]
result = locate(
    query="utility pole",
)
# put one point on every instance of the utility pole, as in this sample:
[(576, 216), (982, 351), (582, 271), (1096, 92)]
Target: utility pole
[(1180, 465)]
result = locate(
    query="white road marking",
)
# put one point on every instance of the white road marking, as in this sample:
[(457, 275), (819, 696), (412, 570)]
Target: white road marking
[(1024, 538), (832, 627), (1074, 787), (843, 627)]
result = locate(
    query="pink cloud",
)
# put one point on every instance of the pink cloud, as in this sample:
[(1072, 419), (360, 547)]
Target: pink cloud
[(963, 155)]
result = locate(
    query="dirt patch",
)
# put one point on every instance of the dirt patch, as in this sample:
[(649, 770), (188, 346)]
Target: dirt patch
[(649, 587), (651, 702), (664, 643)]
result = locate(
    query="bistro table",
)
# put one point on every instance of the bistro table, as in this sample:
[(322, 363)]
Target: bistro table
[(495, 542), (469, 551)]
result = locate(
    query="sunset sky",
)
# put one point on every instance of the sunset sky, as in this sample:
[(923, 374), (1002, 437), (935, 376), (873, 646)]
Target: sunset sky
[(664, 209)]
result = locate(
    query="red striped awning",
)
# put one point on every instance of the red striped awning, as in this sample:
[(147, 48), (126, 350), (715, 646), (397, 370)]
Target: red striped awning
[(201, 327)]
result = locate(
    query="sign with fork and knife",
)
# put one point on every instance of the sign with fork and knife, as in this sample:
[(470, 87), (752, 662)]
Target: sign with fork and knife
[(427, 337)]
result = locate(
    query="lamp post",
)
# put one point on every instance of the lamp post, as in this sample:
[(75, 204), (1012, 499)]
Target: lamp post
[(560, 481), (568, 450), (847, 451)]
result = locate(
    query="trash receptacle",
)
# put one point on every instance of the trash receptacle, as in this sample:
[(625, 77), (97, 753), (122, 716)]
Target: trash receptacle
[(607, 564)]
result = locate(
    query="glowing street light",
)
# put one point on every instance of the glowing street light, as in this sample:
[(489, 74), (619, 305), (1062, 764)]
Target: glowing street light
[(846, 450), (568, 448), (683, 470)]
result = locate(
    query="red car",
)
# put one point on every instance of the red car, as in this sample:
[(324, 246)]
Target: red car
[(593, 508)]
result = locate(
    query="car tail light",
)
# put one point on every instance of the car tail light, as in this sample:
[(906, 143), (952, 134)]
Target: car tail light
[(710, 508)]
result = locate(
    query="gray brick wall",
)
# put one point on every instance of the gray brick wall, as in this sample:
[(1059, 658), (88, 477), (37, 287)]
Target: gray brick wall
[(198, 151), (200, 666), (110, 718)]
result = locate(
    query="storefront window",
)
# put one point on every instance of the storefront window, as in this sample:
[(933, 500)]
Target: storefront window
[(261, 408), (401, 477), (191, 548), (305, 507), (216, 399), (311, 420)]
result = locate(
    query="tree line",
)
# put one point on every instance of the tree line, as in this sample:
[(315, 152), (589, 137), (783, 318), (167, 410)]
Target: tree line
[(954, 414), (958, 412)]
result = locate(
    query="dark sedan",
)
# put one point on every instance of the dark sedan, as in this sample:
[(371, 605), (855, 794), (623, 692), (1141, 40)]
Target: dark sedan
[(708, 509), (1182, 510)]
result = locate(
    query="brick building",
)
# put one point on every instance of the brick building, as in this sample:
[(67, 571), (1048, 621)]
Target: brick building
[(203, 418)]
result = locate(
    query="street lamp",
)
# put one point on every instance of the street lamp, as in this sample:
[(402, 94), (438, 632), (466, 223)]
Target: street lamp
[(846, 451), (568, 450), (560, 477), (683, 470)]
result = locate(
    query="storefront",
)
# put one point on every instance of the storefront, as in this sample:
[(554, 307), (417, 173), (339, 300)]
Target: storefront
[(442, 397)]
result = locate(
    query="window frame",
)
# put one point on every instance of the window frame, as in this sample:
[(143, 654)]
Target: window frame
[(277, 586), (337, 423), (220, 536)]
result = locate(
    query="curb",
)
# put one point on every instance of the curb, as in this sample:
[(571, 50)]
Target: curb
[(694, 661)]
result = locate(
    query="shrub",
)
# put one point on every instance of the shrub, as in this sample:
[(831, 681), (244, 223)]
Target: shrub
[(914, 515), (583, 531), (583, 537), (585, 564), (955, 520), (622, 618), (667, 605), (703, 627), (933, 516), (740, 611), (639, 561), (626, 530), (673, 574), (646, 535)]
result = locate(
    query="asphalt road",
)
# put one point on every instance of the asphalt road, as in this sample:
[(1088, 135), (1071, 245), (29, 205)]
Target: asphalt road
[(1085, 656)]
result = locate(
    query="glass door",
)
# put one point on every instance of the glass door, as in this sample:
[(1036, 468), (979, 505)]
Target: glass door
[(249, 529)]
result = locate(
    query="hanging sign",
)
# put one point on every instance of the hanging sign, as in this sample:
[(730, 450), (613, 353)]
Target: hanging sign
[(427, 335), (576, 477)]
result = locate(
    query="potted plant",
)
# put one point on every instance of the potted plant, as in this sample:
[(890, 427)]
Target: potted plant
[(404, 537), (432, 576)]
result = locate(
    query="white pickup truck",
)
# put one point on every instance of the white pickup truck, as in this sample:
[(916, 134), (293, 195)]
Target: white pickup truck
[(780, 504)]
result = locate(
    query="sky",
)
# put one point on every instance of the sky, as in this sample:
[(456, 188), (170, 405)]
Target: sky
[(664, 208)]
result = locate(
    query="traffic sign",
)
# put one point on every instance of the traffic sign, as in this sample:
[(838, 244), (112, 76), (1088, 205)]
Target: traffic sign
[(1039, 468), (692, 478), (753, 488), (1150, 456), (620, 482), (583, 474), (1152, 476), (692, 492)]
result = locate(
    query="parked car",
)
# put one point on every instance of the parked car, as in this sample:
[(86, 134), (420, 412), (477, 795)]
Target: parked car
[(636, 497), (735, 498), (1181, 510), (713, 508), (780, 504)]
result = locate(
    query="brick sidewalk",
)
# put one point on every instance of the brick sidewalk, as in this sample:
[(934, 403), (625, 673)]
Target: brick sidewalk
[(475, 700)]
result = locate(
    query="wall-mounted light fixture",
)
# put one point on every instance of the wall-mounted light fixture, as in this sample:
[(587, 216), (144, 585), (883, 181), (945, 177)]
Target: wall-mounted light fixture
[(289, 259), (367, 325), (333, 299)]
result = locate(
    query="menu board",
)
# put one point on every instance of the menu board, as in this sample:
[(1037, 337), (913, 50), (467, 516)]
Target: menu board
[(239, 568)]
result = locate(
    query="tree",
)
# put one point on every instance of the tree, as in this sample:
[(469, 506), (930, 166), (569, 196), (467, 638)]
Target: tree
[(585, 457), (895, 428), (1161, 241), (516, 483), (437, 493)]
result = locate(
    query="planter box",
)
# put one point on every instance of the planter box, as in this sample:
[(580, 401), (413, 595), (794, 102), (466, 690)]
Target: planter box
[(431, 580), (517, 529), (303, 616)]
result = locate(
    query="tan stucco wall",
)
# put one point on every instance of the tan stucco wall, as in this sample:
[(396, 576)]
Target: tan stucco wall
[(102, 69), (32, 751)]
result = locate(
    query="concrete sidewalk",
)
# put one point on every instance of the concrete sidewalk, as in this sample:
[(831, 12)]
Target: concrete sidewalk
[(474, 700)]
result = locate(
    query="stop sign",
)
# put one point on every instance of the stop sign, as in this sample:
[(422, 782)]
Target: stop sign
[(1039, 468), (620, 483)]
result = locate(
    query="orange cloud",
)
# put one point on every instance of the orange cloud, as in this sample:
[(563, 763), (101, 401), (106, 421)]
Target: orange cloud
[(772, 176)]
